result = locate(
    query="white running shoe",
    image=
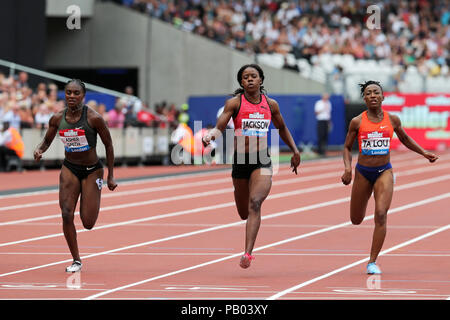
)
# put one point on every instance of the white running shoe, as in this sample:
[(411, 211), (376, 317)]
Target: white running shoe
[(75, 267)]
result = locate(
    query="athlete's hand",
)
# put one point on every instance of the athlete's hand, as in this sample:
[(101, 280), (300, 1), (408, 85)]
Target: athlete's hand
[(347, 177), (206, 140), (295, 161), (430, 156), (111, 183), (37, 155)]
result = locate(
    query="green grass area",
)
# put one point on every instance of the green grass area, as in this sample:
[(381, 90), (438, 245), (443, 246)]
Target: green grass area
[(286, 157)]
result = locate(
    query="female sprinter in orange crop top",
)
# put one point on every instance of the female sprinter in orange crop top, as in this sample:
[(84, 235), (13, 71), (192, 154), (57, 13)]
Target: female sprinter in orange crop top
[(374, 129)]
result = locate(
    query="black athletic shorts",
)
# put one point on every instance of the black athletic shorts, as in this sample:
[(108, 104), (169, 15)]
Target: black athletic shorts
[(81, 172), (245, 163)]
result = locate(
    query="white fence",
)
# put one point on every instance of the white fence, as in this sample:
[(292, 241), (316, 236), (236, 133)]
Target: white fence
[(129, 143)]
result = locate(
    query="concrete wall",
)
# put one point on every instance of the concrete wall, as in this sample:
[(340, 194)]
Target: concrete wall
[(172, 64), (58, 8)]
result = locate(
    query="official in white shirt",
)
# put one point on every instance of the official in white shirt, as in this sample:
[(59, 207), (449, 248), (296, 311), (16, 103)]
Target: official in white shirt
[(322, 108)]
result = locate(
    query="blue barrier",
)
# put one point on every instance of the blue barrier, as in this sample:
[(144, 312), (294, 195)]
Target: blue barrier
[(297, 111)]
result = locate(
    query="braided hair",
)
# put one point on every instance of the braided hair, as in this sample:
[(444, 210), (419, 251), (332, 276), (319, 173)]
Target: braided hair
[(364, 85), (239, 78), (79, 82)]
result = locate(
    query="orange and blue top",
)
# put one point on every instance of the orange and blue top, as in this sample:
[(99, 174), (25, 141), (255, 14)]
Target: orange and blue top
[(374, 138)]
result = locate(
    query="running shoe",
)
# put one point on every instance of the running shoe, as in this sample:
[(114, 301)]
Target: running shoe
[(246, 260), (372, 268), (75, 267)]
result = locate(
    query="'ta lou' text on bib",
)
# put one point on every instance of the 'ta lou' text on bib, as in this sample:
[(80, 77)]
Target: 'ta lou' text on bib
[(375, 143), (74, 140)]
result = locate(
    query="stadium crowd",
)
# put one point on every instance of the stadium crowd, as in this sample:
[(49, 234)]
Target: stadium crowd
[(25, 107), (413, 32)]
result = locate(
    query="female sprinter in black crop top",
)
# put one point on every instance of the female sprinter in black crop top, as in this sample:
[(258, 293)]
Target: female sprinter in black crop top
[(82, 172)]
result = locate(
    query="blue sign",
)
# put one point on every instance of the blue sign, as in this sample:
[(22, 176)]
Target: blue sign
[(297, 111)]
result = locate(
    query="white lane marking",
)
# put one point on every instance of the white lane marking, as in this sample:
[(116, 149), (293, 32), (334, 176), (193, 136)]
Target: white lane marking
[(213, 207), (280, 182), (313, 165), (189, 184), (351, 265), (411, 205)]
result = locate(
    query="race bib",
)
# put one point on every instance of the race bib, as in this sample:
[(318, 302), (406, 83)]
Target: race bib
[(74, 140), (256, 125), (375, 143)]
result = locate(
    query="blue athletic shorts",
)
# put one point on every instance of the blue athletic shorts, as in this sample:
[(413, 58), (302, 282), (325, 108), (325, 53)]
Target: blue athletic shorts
[(372, 173)]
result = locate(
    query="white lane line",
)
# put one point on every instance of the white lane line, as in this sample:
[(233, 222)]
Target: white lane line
[(208, 253), (184, 235), (183, 212), (138, 181), (302, 236), (158, 200), (202, 209), (329, 274), (311, 166), (209, 181), (173, 187)]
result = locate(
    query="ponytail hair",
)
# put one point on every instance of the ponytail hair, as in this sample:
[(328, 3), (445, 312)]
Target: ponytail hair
[(239, 78)]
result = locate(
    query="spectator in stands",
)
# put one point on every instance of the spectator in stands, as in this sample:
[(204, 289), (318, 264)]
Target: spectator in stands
[(92, 104), (11, 144), (146, 118), (101, 109), (26, 94), (131, 101), (116, 117), (3, 102), (42, 117), (12, 115), (172, 113), (58, 106), (415, 32), (26, 117), (2, 79), (22, 80)]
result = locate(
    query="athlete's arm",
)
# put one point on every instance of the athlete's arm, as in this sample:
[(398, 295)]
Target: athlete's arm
[(348, 145), (53, 125), (284, 132), (98, 123), (408, 141), (231, 106)]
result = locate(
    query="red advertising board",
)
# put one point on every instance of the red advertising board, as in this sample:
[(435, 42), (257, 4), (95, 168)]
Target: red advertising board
[(424, 117)]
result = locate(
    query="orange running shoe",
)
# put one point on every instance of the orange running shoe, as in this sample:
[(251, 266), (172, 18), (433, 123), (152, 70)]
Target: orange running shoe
[(246, 260)]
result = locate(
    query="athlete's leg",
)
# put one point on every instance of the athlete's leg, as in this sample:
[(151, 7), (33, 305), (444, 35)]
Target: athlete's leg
[(259, 187), (361, 192), (91, 189), (382, 191), (69, 190), (241, 196)]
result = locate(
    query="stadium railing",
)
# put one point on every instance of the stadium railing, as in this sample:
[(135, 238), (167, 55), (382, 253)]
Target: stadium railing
[(131, 144)]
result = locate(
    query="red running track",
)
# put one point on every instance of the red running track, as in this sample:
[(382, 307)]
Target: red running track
[(180, 237)]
